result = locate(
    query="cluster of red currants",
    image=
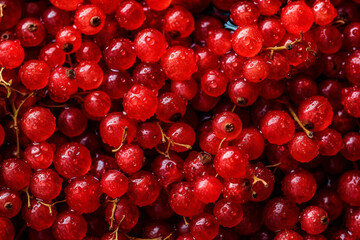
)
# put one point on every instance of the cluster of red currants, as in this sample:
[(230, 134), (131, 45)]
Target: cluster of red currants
[(179, 119)]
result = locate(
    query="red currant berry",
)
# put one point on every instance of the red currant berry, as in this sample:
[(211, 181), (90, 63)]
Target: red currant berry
[(232, 65), (207, 189), (69, 224), (130, 158), (149, 75), (186, 89), (228, 214), (168, 169), (351, 151), (287, 235), (38, 216), (113, 126), (114, 183), (330, 142), (243, 93), (130, 15), (30, 32), (324, 12), (62, 84), (11, 54), (72, 122), (204, 227), (272, 31), (219, 41), (171, 107), (150, 45), (140, 103), (67, 5), (38, 124), (255, 69), (299, 186), (54, 19), (88, 51), (314, 220), (279, 213), (247, 41), (34, 74), (97, 104), (89, 19), (148, 135), (72, 160), (39, 155), (83, 194), (11, 13), (123, 208), (52, 55), (230, 162), (353, 223), (46, 184), (227, 125), (7, 230), (268, 8), (182, 136), (119, 54), (178, 22), (15, 174), (10, 203), (297, 17), (348, 187), (69, 39), (244, 13), (183, 201), (302, 148)]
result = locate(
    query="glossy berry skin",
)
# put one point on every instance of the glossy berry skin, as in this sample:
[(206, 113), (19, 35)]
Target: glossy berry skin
[(150, 45), (88, 51), (116, 83), (228, 214), (89, 19), (66, 5), (299, 186), (207, 189), (244, 13), (287, 235), (130, 15), (219, 41), (178, 63), (227, 125), (315, 113), (52, 55), (183, 201), (171, 107), (30, 32), (278, 66), (314, 220), (13, 49), (140, 103), (15, 174), (230, 162), (69, 39), (231, 65), (214, 83), (119, 54), (38, 216), (250, 223), (328, 39), (130, 158), (353, 223), (168, 169), (351, 151), (34, 74), (83, 194), (268, 8), (279, 213), (247, 41), (351, 38), (350, 101), (277, 127), (302, 148), (38, 124), (324, 12), (237, 190), (255, 69), (251, 141), (243, 93), (181, 133), (352, 67), (204, 227), (46, 184), (186, 89), (62, 84), (39, 155), (158, 5), (330, 142), (348, 187), (149, 75), (7, 231), (148, 135), (261, 190), (178, 22), (69, 224), (54, 19), (123, 207), (72, 122), (302, 87), (114, 125), (10, 203), (72, 160), (88, 75), (97, 104), (143, 188), (272, 31), (11, 15), (297, 17)]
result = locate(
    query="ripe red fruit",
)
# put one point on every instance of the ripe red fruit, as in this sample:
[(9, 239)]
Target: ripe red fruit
[(348, 186), (150, 45), (207, 189), (34, 74), (11, 54), (130, 15), (314, 220), (46, 184), (126, 208), (69, 224), (38, 216), (89, 19), (302, 148), (247, 41), (230, 162), (204, 227), (119, 54), (15, 174), (7, 231), (297, 17), (10, 203)]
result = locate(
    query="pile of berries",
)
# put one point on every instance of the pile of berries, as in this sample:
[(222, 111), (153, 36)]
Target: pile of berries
[(179, 119)]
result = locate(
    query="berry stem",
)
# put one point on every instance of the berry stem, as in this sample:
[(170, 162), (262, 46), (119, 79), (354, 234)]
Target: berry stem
[(112, 218), (2, 6), (69, 60), (28, 197), (256, 180), (185, 221), (124, 135), (221, 143), (287, 46), (50, 206), (7, 85), (293, 114), (14, 116), (233, 109)]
